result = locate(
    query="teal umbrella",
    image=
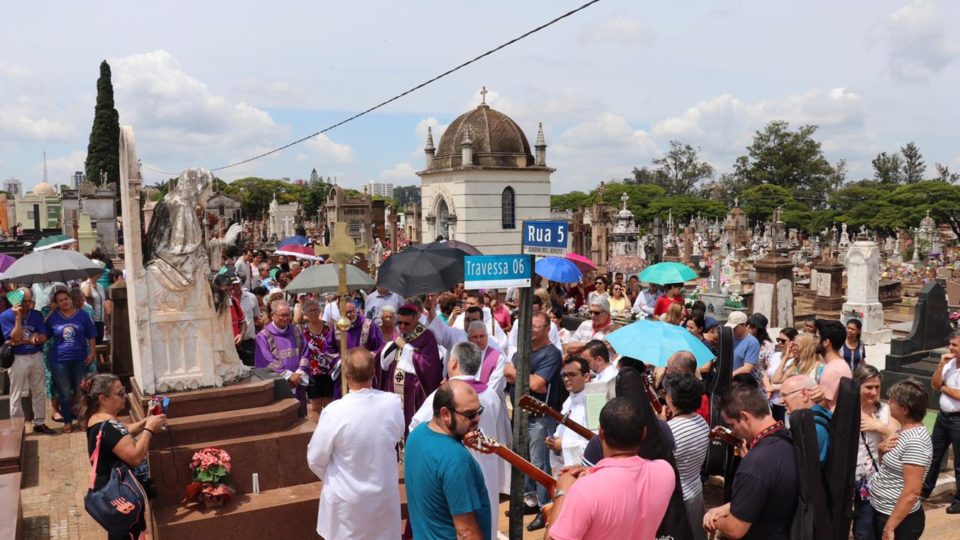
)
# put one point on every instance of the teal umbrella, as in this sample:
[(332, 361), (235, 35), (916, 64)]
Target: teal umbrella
[(654, 341), (324, 278), (54, 241), (667, 272)]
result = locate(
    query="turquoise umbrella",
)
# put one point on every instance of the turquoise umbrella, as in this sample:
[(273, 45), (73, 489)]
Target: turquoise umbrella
[(654, 341), (667, 272)]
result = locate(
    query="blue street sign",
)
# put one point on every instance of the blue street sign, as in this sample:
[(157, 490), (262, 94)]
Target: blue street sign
[(496, 271), (545, 237)]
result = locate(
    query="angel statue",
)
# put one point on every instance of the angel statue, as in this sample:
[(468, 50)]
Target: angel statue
[(179, 257)]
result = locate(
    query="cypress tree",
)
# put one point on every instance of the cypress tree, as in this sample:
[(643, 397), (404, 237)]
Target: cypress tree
[(103, 151)]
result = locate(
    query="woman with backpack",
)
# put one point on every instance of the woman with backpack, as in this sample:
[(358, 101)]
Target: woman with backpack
[(876, 425), (112, 445)]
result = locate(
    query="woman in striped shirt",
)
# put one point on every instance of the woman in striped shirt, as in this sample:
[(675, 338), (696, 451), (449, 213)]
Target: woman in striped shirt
[(895, 490), (691, 435)]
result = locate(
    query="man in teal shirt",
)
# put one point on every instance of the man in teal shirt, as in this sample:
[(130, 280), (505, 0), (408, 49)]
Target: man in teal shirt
[(446, 494)]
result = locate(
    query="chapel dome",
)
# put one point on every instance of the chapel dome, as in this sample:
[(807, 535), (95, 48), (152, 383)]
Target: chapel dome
[(928, 222), (497, 141), (44, 189)]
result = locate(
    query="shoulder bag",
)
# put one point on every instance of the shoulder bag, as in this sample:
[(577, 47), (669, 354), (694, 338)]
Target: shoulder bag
[(120, 503)]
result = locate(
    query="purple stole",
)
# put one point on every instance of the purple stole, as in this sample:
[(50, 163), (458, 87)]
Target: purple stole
[(490, 358), (476, 385)]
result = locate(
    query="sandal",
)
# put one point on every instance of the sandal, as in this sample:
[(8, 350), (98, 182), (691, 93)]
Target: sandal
[(68, 428)]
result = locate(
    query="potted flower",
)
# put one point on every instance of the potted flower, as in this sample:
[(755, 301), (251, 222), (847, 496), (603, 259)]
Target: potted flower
[(210, 470)]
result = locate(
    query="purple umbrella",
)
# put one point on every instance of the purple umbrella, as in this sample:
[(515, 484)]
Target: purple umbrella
[(5, 261)]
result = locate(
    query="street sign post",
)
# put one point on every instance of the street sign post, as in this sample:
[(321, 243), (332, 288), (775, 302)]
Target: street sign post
[(496, 271), (545, 237)]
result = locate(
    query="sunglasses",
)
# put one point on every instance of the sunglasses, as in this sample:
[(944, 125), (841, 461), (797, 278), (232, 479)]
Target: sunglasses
[(781, 341), (569, 374), (595, 313), (471, 414)]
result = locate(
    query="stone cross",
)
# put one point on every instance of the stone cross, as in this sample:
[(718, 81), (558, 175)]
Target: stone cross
[(483, 96)]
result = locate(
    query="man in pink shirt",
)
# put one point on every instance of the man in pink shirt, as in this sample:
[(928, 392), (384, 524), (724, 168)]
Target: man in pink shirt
[(583, 506), (830, 338)]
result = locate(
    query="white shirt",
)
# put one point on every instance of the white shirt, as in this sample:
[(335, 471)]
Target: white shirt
[(251, 309), (243, 271), (331, 312), (490, 420), (353, 452), (585, 332), (609, 373), (572, 445), (646, 301), (951, 378), (511, 348), (494, 332)]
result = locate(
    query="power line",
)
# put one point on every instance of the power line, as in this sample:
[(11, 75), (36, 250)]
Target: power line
[(398, 96)]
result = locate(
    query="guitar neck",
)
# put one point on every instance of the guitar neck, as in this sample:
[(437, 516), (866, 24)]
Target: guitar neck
[(535, 406), (528, 468)]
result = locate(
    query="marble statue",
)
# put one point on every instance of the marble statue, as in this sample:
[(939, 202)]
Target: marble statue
[(844, 236)]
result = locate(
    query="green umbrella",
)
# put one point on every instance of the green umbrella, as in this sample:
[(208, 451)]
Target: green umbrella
[(324, 278), (54, 241), (667, 272)]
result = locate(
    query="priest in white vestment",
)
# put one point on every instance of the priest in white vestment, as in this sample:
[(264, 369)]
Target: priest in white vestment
[(353, 451), (575, 374), (465, 361)]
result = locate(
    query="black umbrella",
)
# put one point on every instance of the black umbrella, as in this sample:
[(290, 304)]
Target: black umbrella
[(455, 244), (422, 269), (51, 265)]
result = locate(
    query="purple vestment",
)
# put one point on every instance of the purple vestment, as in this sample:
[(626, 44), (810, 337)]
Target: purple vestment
[(373, 343), (281, 350), (429, 374)]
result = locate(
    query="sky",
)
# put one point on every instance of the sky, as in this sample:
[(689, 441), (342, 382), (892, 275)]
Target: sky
[(205, 84)]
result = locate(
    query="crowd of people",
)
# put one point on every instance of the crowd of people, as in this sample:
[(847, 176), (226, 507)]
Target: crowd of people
[(428, 377)]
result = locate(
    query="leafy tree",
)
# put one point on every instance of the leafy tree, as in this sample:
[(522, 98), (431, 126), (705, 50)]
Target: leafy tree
[(314, 177), (789, 159), (759, 202), (406, 194), (257, 193), (725, 189), (678, 171), (944, 174), (912, 202), (887, 167), (569, 201), (684, 207), (913, 165), (314, 195), (103, 150)]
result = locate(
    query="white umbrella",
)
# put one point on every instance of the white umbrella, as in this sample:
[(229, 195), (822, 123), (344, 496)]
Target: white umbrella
[(51, 265)]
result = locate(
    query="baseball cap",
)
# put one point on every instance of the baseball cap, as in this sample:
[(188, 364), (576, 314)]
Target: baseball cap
[(235, 281), (736, 319)]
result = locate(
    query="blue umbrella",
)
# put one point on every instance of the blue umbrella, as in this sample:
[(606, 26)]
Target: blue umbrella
[(294, 240), (559, 269), (654, 342)]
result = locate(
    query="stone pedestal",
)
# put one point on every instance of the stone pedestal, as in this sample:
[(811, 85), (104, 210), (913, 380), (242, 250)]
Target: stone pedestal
[(863, 285), (773, 290), (86, 236), (828, 286)]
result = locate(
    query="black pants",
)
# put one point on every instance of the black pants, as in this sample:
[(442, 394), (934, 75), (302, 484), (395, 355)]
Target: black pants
[(946, 432), (911, 528)]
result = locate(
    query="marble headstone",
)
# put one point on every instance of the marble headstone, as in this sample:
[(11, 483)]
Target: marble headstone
[(763, 299)]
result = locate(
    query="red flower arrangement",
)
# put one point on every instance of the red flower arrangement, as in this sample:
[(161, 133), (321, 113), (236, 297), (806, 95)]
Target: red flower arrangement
[(210, 469)]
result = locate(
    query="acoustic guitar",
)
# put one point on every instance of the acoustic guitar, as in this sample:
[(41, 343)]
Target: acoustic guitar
[(485, 444), (534, 405), (648, 386), (725, 435)]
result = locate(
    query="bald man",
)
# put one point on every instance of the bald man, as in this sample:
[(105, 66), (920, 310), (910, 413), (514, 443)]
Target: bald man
[(797, 394)]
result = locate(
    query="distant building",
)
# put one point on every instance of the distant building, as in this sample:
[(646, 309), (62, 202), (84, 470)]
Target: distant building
[(364, 216), (78, 178), (380, 189), (482, 181), (98, 202), (14, 187), (40, 209), (283, 219), (225, 208), (300, 182)]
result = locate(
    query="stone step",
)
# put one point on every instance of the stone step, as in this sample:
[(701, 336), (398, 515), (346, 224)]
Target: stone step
[(11, 445), (249, 393), (278, 458), (287, 512), (11, 507), (277, 416)]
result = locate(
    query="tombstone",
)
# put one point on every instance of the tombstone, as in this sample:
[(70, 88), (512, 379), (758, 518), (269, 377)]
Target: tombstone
[(763, 294), (863, 285), (772, 270), (918, 354), (829, 286), (784, 307)]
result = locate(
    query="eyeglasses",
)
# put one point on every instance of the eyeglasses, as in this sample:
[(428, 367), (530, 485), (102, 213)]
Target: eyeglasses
[(471, 414), (788, 394), (595, 313), (569, 374), (599, 283), (120, 393), (781, 341)]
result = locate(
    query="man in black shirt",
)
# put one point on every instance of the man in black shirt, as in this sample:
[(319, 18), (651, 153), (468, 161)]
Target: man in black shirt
[(545, 385), (765, 487)]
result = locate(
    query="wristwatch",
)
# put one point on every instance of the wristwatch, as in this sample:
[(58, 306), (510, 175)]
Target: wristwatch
[(557, 493)]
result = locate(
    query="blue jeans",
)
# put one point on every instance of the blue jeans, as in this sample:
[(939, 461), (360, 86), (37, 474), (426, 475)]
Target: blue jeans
[(537, 431), (66, 381), (946, 431)]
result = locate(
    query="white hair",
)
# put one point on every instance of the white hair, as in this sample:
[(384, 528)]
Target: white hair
[(601, 302)]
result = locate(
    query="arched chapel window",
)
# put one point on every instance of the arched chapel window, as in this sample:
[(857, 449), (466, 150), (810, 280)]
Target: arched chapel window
[(508, 209)]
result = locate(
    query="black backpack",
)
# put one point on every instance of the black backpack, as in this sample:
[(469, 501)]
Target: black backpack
[(840, 471), (811, 520)]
